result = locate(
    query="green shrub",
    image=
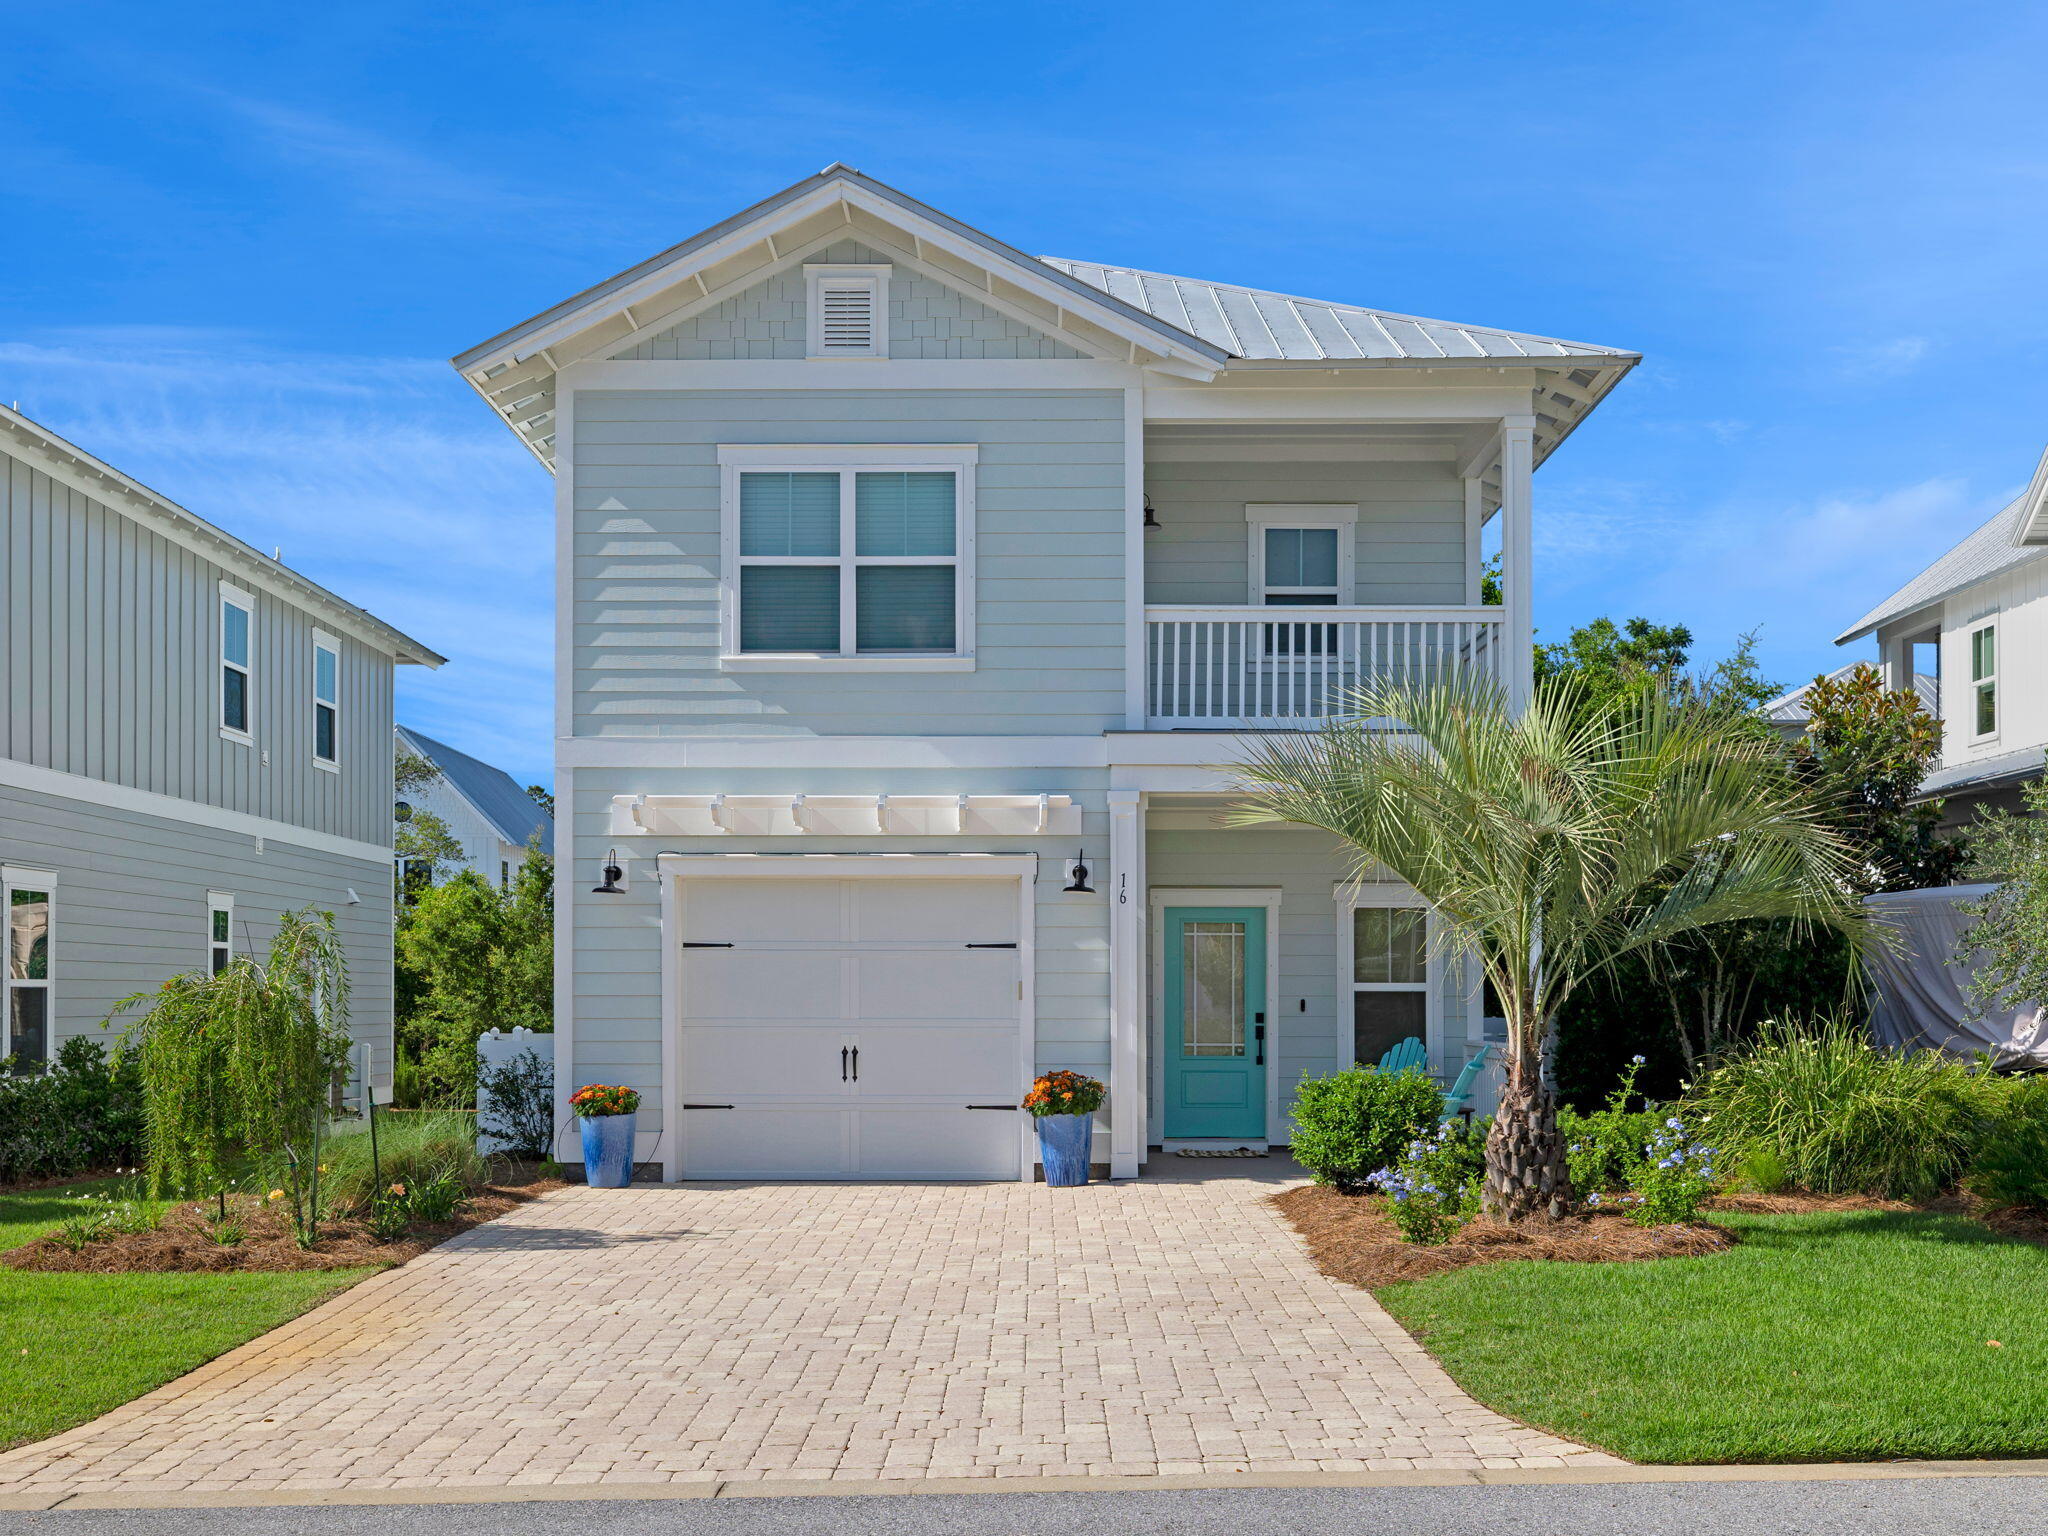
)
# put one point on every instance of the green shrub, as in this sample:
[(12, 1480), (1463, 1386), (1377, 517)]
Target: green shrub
[(83, 1114), (415, 1150), (1763, 1171), (2012, 1164), (1674, 1177), (1351, 1124), (1434, 1189), (1843, 1117), (1603, 1148)]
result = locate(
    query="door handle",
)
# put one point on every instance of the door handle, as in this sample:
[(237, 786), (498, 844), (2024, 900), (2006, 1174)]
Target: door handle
[(856, 1063), (1259, 1036), (842, 1063)]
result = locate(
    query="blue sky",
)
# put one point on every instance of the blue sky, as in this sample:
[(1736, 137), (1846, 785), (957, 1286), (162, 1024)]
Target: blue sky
[(242, 241)]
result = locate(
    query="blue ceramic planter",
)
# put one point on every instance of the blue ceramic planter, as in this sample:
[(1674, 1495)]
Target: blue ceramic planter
[(608, 1151), (1064, 1142)]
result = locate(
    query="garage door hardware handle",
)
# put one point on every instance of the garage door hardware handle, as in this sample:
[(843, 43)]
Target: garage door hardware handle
[(1011, 945), (704, 944), (991, 1106), (707, 1106), (842, 1063), (856, 1063)]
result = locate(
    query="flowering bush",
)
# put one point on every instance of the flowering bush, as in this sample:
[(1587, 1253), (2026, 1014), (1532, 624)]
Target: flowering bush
[(1434, 1189), (1674, 1178), (1065, 1093), (594, 1101), (1603, 1148)]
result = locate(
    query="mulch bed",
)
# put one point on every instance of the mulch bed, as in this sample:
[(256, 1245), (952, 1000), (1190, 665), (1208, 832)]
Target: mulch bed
[(1352, 1239), (181, 1243)]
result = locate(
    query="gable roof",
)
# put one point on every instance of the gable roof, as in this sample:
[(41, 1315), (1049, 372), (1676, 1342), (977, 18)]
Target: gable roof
[(1986, 551), (1175, 325), (1255, 323), (513, 814), (44, 450)]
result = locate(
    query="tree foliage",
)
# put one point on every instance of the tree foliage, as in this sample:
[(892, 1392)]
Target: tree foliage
[(1554, 844), (543, 797), (2008, 944)]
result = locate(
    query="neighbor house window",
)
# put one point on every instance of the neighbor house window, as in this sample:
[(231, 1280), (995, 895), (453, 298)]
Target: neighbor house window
[(1390, 980), (1984, 680), (237, 629), (868, 562), (847, 309), (326, 700), (25, 1023), (220, 931)]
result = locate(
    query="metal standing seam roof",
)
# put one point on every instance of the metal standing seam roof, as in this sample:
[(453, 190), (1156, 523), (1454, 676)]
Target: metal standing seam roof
[(1256, 324), (1790, 708), (1985, 773), (1988, 551), (514, 814)]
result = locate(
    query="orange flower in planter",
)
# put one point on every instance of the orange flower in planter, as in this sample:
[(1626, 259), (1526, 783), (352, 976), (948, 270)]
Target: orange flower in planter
[(1065, 1093), (596, 1100)]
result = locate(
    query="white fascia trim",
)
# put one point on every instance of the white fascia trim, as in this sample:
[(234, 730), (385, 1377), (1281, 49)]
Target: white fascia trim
[(831, 752), (761, 661), (843, 455), (121, 797), (1301, 514), (33, 879), (241, 595), (220, 900), (843, 866), (845, 373)]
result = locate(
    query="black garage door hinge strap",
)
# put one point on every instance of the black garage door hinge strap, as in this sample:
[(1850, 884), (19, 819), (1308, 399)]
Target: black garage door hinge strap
[(704, 944), (992, 946), (991, 1106), (707, 1106)]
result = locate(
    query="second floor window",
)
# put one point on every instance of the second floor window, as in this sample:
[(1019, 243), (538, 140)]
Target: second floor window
[(237, 623), (326, 700), (1984, 680), (856, 563)]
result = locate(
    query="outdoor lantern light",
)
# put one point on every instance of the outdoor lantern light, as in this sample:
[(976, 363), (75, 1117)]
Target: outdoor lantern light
[(1151, 518), (612, 876), (1080, 887)]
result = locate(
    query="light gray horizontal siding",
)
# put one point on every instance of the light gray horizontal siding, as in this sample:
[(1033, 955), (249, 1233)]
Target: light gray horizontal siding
[(927, 319), (1049, 564), (1410, 538), (110, 655), (131, 905)]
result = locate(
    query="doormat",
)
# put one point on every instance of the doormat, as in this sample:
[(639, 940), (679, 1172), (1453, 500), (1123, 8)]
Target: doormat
[(1217, 1152)]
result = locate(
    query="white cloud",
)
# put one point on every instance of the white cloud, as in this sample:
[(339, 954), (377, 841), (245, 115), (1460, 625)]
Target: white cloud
[(1882, 360)]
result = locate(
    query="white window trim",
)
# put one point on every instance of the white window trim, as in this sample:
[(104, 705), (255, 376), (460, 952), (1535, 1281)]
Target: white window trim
[(1259, 516), (246, 601), (322, 641), (1158, 899), (1349, 899), (1970, 667), (219, 901), (871, 276), (13, 876), (957, 459)]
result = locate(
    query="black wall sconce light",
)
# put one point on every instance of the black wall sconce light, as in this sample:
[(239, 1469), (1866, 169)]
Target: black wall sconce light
[(1151, 517), (1080, 885), (612, 875)]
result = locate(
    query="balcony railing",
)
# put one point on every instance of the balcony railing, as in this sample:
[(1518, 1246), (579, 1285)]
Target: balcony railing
[(1290, 668)]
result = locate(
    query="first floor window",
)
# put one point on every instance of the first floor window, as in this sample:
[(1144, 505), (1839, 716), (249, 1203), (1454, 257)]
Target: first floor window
[(26, 1046), (850, 562), (1984, 679), (326, 699), (220, 932), (237, 619), (1389, 980)]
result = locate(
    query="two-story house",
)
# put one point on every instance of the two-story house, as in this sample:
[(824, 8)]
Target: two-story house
[(1980, 612), (912, 593), (483, 808), (195, 739)]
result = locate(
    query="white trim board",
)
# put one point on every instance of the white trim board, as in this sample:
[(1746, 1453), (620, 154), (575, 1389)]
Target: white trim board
[(98, 793), (1161, 897)]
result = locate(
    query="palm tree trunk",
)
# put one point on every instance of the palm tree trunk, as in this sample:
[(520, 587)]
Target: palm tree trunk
[(1525, 1164)]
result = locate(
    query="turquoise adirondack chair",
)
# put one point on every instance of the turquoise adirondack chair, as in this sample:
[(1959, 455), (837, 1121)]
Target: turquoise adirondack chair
[(1405, 1054), (1455, 1100)]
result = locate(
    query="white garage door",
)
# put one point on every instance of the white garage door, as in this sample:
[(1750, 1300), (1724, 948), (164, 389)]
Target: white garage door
[(850, 1028)]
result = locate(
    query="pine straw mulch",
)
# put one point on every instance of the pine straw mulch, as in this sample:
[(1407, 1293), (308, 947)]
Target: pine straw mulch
[(1351, 1238), (181, 1243)]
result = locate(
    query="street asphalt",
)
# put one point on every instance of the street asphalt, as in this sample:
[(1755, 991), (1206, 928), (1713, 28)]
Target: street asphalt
[(1978, 1506)]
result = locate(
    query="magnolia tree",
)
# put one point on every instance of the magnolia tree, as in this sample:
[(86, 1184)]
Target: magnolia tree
[(1552, 843)]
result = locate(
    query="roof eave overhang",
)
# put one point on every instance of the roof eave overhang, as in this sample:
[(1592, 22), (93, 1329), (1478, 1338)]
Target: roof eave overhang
[(1927, 613), (2032, 527)]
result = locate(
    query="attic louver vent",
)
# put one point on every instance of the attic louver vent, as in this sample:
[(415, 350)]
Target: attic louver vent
[(846, 311)]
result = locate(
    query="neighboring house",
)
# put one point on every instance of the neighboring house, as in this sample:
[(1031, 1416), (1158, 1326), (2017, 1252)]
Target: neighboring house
[(196, 739), (1983, 610), (902, 575), (483, 808), (1789, 715)]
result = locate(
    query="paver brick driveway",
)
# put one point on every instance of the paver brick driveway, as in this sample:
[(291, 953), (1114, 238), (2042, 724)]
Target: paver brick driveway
[(740, 1332)]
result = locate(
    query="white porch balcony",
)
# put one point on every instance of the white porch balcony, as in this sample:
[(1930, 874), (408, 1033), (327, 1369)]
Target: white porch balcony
[(1290, 668)]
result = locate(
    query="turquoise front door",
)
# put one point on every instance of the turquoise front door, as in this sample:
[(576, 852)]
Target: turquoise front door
[(1215, 1023)]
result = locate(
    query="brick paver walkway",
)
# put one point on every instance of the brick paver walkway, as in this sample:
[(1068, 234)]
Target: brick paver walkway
[(743, 1332)]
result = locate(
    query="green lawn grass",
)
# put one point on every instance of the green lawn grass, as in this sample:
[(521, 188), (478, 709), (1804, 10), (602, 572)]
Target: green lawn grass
[(74, 1345), (1847, 1336)]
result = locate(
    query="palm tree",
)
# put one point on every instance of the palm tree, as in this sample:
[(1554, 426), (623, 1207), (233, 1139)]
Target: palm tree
[(1551, 843)]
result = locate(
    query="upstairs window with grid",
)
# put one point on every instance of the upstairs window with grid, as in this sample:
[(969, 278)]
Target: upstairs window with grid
[(849, 562), (1984, 680)]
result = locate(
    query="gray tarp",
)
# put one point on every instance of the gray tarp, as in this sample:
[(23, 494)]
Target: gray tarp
[(1922, 1000)]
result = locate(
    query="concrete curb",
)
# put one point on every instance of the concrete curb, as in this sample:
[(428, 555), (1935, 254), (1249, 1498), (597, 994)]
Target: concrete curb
[(557, 1493)]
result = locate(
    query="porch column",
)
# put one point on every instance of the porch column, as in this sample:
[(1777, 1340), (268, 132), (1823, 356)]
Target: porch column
[(1518, 610), (1896, 662), (1126, 982)]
